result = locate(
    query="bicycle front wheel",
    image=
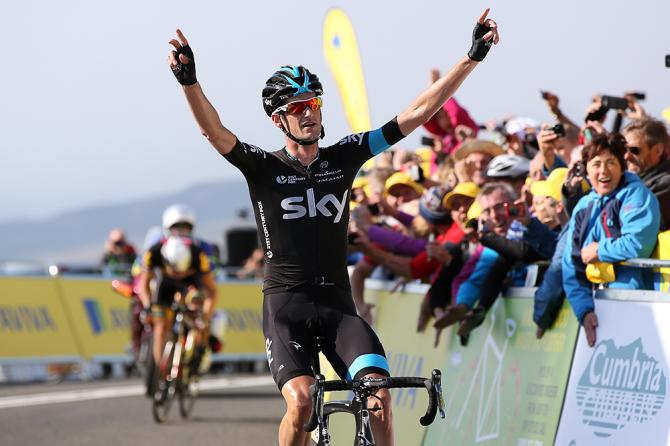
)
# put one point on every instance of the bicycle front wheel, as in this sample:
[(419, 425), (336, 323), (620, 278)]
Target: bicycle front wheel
[(166, 384)]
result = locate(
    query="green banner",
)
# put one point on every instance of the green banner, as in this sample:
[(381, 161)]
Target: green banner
[(506, 387)]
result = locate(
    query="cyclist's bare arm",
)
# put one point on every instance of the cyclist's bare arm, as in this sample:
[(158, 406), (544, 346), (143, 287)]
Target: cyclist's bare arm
[(431, 99), (144, 288), (204, 113), (209, 285)]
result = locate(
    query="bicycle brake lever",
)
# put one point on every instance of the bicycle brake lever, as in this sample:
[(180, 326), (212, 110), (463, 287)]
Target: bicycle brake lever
[(437, 385)]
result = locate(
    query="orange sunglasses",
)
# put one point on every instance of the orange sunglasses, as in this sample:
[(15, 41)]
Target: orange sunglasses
[(298, 107)]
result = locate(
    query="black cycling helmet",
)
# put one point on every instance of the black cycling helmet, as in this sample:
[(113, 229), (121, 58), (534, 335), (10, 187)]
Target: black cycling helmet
[(287, 82)]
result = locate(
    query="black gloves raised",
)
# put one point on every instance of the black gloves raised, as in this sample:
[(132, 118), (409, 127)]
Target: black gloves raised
[(185, 73), (480, 47)]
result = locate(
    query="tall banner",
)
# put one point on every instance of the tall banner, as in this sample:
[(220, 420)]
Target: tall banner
[(243, 307), (341, 51), (618, 390), (505, 387)]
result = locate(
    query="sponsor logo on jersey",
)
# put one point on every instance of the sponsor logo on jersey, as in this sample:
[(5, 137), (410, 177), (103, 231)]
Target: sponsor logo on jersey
[(329, 175), (295, 345), (253, 149), (291, 179), (323, 206), (620, 386), (266, 233), (324, 164), (356, 138)]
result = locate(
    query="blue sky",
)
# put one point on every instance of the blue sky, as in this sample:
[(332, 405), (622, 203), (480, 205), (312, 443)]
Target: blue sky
[(92, 115)]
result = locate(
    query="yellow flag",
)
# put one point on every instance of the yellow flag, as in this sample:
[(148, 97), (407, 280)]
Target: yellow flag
[(666, 114), (341, 51)]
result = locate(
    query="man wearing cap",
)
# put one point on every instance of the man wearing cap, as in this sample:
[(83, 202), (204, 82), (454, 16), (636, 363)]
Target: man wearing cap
[(472, 159)]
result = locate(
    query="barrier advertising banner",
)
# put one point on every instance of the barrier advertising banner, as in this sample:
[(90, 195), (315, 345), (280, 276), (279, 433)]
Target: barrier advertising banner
[(243, 306), (618, 389), (100, 317), (506, 387), (32, 321), (409, 354)]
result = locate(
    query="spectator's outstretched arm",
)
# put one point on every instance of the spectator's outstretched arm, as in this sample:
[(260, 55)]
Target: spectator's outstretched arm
[(577, 291), (424, 107), (182, 63)]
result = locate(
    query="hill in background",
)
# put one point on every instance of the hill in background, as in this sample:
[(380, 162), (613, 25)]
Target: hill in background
[(79, 236)]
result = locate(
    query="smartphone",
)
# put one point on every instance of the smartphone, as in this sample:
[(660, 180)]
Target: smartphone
[(416, 173), (544, 95), (667, 60), (614, 102), (596, 115), (640, 96)]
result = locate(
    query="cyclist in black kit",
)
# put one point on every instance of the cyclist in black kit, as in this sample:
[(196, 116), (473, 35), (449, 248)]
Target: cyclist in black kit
[(300, 195)]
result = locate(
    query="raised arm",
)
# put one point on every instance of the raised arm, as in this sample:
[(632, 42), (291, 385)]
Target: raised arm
[(424, 107), (182, 63)]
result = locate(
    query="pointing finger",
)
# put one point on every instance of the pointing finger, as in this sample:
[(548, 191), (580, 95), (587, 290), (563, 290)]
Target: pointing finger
[(182, 38), (483, 16)]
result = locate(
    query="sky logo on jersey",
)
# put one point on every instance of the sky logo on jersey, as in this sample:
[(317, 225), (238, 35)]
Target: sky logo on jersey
[(313, 208), (620, 386), (95, 315)]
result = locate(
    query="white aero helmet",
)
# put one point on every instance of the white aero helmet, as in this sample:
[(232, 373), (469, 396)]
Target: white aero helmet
[(178, 213), (508, 166), (176, 252)]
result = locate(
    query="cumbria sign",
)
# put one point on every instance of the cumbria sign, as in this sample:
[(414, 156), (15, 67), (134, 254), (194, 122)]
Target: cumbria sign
[(620, 386)]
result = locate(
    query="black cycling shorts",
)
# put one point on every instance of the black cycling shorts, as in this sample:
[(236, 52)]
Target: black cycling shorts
[(292, 321), (167, 287)]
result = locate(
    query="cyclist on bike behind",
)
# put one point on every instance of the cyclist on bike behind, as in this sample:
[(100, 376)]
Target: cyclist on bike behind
[(180, 265)]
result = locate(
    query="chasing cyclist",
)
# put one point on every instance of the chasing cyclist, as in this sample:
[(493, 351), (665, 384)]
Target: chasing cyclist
[(300, 195), (180, 265)]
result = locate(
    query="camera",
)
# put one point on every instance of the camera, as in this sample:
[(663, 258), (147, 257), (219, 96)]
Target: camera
[(614, 102), (374, 208), (427, 141), (558, 129), (579, 169), (667, 60), (638, 95)]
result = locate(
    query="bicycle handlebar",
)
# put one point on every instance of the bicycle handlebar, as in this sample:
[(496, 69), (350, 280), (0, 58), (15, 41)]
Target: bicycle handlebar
[(433, 386)]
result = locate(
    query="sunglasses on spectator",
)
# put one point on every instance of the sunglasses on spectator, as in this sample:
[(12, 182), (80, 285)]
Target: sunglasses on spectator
[(634, 150), (119, 243), (297, 107)]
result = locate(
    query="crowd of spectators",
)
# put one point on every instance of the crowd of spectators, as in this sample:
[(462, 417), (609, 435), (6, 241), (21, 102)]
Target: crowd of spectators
[(556, 206)]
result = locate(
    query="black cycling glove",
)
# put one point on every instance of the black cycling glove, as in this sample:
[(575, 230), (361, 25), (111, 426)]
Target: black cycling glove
[(185, 73), (480, 47)]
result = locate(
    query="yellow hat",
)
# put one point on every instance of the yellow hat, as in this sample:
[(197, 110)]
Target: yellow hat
[(551, 187), (474, 211), (359, 182), (402, 178), (467, 189), (600, 272), (478, 145)]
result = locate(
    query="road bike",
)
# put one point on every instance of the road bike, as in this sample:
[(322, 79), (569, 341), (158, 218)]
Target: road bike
[(363, 389), (176, 372)]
